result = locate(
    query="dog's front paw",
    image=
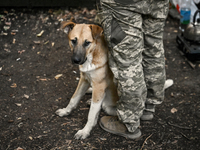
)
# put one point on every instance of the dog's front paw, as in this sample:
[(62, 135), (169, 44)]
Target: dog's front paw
[(81, 134), (62, 112)]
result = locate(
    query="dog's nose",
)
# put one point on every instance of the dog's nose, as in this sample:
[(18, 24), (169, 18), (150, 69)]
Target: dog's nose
[(76, 60)]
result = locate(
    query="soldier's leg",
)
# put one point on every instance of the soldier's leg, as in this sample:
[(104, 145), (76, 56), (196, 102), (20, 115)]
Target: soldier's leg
[(153, 56), (123, 30)]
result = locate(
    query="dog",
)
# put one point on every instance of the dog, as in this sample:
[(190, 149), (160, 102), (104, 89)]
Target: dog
[(90, 52)]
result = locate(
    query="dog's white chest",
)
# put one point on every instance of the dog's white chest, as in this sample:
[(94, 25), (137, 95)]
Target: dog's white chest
[(88, 65)]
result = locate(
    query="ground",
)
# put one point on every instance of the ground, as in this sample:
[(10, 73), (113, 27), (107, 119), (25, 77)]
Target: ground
[(37, 78)]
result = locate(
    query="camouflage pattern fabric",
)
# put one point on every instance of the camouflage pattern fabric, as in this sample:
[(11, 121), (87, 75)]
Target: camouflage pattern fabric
[(134, 32)]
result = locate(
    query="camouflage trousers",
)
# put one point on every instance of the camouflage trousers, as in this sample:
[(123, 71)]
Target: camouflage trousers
[(134, 32)]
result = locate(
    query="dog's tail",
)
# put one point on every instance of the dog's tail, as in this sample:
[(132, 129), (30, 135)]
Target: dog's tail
[(168, 83)]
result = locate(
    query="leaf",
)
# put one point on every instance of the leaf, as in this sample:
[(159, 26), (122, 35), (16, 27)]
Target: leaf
[(2, 33), (22, 51), (14, 40), (46, 42), (7, 50), (40, 34), (30, 138), (69, 142), (14, 85), (43, 79), (103, 139), (173, 110), (26, 96), (58, 76), (36, 42), (64, 124), (6, 27), (8, 23), (19, 148), (13, 33), (18, 59), (18, 104), (174, 142)]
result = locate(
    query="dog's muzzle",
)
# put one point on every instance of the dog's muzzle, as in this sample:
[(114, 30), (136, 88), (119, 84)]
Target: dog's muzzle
[(78, 59)]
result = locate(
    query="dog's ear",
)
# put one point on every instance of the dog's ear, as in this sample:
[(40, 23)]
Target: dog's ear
[(97, 31), (67, 26)]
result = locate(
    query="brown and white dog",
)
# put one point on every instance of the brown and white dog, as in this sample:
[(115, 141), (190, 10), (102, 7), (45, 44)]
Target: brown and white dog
[(90, 52)]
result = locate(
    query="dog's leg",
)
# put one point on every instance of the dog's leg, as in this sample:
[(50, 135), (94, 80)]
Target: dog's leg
[(82, 87), (110, 102), (97, 99)]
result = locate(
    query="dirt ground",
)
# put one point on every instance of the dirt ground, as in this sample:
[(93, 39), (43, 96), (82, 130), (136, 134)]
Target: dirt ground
[(37, 78)]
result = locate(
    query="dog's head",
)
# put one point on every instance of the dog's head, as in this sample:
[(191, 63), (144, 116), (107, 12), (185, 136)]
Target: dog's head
[(82, 39)]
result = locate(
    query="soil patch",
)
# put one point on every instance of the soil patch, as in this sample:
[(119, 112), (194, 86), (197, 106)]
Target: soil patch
[(33, 51)]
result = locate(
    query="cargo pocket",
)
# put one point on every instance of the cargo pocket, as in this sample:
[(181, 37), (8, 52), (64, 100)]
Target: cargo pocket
[(117, 34)]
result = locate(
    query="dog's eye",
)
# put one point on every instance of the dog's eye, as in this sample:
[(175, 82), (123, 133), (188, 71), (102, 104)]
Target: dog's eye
[(87, 43), (74, 41)]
